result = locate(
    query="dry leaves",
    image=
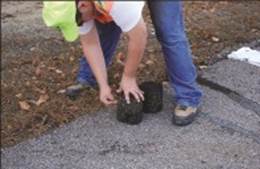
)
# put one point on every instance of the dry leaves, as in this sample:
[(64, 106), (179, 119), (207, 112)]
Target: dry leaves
[(116, 75), (215, 39), (32, 49), (141, 66), (41, 91), (72, 59), (42, 99), (149, 62), (24, 105), (38, 71), (19, 95), (120, 58), (61, 91), (58, 71), (203, 67)]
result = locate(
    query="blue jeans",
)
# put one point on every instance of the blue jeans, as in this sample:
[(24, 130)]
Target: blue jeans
[(168, 22), (109, 35)]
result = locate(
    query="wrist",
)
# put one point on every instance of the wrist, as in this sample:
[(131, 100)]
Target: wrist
[(104, 86), (128, 75)]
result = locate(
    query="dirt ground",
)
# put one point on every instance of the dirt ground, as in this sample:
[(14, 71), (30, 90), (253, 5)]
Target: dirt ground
[(37, 63)]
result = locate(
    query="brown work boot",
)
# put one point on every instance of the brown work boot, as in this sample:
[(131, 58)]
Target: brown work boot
[(184, 115)]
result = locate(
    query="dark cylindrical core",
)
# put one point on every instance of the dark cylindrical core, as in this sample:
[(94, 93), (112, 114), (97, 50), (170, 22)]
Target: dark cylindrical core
[(129, 113), (153, 94)]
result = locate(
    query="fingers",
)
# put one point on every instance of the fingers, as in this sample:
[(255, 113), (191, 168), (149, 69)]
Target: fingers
[(127, 96), (112, 99), (138, 95), (108, 100), (136, 92), (141, 94)]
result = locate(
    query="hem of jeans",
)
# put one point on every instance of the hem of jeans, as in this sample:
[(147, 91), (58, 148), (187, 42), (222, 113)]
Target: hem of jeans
[(188, 104)]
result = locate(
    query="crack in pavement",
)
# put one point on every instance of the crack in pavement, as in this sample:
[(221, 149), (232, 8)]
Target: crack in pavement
[(231, 126), (235, 96), (138, 149)]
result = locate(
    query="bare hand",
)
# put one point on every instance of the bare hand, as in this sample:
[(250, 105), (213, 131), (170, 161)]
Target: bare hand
[(106, 96), (129, 86)]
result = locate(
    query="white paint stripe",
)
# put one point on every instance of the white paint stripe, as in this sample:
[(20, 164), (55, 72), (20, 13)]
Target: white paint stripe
[(246, 54)]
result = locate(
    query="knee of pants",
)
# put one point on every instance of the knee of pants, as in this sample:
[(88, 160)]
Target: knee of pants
[(171, 38)]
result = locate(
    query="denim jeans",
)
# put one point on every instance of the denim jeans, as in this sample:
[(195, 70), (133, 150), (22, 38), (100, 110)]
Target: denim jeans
[(109, 35), (167, 17)]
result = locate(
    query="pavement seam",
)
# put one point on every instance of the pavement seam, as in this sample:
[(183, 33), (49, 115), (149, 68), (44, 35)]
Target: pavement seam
[(231, 126), (238, 98), (233, 95)]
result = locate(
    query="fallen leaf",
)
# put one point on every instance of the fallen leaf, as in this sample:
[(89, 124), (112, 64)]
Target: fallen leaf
[(63, 76), (51, 68), (42, 91), (141, 66), (73, 108), (120, 58), (150, 49), (24, 105), (42, 99), (4, 84), (38, 71), (35, 61), (58, 71), (42, 65), (27, 83), (71, 59), (152, 31), (203, 67), (117, 75), (212, 10), (74, 70), (149, 62), (215, 39), (61, 91), (32, 49), (165, 83), (19, 95), (9, 126)]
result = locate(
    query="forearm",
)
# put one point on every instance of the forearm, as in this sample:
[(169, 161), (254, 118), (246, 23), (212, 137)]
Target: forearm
[(136, 47), (94, 56), (135, 54)]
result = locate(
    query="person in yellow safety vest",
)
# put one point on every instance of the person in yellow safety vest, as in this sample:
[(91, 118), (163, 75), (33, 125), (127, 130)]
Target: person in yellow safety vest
[(100, 23)]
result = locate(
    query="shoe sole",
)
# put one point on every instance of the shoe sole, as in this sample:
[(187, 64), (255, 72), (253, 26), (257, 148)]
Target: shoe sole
[(184, 121)]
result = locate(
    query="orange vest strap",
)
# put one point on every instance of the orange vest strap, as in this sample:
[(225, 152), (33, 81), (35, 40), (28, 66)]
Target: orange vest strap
[(103, 9)]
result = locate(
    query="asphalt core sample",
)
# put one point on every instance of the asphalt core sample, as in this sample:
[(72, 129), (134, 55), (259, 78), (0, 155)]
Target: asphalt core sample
[(133, 113), (129, 113), (153, 95)]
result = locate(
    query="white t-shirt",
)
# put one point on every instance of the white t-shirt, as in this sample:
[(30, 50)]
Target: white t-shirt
[(125, 14)]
